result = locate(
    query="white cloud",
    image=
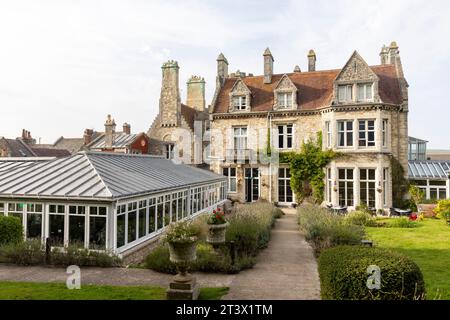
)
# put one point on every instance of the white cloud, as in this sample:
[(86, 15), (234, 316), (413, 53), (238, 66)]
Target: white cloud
[(64, 65)]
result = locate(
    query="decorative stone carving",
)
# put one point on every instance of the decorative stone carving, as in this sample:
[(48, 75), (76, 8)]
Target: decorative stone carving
[(355, 71), (285, 85), (240, 89)]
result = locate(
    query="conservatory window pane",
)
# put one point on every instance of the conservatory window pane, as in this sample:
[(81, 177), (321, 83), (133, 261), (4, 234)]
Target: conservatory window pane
[(56, 229), (97, 233), (142, 222), (76, 230), (152, 219), (34, 226), (120, 230), (132, 222)]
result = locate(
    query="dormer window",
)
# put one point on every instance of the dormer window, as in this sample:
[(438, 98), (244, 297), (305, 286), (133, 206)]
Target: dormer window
[(345, 93), (365, 92), (239, 103), (284, 100)]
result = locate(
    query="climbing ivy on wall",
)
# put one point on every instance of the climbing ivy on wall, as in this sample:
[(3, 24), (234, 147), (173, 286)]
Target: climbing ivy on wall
[(307, 169), (399, 183)]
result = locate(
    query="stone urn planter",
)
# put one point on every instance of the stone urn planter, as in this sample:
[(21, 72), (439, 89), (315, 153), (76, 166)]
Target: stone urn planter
[(216, 233), (183, 252), (217, 227)]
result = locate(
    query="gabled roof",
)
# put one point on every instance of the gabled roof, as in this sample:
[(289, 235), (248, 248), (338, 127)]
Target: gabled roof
[(18, 148), (50, 152), (99, 176), (121, 140), (314, 89), (428, 170)]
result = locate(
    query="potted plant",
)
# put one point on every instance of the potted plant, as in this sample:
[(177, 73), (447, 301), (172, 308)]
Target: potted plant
[(217, 226), (182, 239)]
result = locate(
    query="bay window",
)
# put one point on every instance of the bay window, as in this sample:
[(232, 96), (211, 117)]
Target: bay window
[(366, 133), (367, 187), (346, 187), (345, 133)]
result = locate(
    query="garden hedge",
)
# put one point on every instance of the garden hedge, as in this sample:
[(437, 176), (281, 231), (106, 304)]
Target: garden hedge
[(11, 230), (343, 274)]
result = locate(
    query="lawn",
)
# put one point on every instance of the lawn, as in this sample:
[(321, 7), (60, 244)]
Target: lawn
[(59, 291), (428, 245)]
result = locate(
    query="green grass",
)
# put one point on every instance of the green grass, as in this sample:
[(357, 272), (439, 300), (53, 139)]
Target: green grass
[(428, 245), (59, 291)]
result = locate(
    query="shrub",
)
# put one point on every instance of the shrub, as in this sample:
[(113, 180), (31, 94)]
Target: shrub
[(11, 230), (417, 194), (402, 222), (324, 229), (278, 213), (207, 260), (360, 218), (32, 252), (24, 253), (443, 209), (250, 227), (343, 274)]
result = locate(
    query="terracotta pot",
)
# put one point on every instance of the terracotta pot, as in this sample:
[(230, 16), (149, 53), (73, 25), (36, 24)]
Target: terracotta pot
[(183, 252), (216, 233)]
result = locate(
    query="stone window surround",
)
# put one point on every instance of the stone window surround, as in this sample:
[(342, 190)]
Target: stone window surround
[(379, 117), (277, 135), (379, 196), (292, 89), (240, 89), (355, 83)]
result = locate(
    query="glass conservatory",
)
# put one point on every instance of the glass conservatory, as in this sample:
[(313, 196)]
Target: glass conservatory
[(105, 201), (432, 177)]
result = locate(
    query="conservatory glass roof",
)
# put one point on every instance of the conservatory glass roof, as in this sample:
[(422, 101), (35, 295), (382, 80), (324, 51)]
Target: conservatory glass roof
[(98, 175), (429, 170)]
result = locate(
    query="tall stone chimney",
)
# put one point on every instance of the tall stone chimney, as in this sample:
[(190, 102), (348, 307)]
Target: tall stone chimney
[(268, 66), (222, 68), (126, 128), (312, 60), (110, 129), (169, 101), (393, 52), (394, 58), (87, 136), (196, 93), (384, 55)]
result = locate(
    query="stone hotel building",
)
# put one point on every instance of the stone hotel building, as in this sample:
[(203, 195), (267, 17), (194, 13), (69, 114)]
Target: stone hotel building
[(361, 110)]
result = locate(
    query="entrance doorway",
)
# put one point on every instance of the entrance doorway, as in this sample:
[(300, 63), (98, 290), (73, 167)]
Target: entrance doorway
[(285, 195), (251, 184)]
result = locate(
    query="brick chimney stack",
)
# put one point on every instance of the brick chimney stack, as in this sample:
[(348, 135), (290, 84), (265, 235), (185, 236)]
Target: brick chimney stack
[(126, 128), (26, 137), (110, 129)]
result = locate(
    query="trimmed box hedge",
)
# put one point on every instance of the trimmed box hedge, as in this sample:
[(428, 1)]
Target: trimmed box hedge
[(343, 274), (11, 230)]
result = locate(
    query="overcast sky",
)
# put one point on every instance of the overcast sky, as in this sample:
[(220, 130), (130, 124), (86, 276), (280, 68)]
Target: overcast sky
[(64, 65)]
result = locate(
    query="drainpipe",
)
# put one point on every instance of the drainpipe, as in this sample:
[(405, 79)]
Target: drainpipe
[(269, 117)]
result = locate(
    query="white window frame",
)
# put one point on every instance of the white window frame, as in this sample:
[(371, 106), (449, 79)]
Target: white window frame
[(385, 186), (169, 151), (366, 132), (240, 102), (348, 92), (287, 181), (328, 134), (231, 178), (283, 100), (329, 187), (285, 136), (346, 182), (384, 132), (240, 138), (366, 88), (367, 182), (345, 132)]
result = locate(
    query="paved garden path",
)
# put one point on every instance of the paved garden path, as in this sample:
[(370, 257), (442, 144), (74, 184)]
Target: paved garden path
[(286, 270)]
